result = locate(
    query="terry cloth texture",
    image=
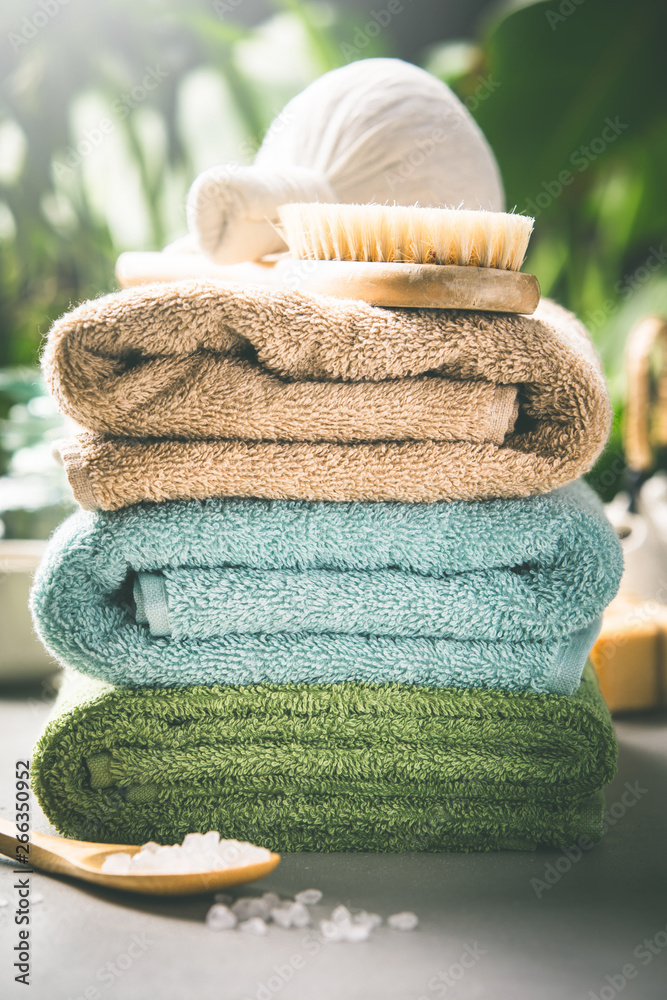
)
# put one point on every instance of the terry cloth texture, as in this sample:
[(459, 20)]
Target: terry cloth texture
[(500, 593), (327, 768), (197, 389)]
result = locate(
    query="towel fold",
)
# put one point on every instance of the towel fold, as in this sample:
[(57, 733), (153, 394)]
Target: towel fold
[(197, 389), (340, 768), (500, 593)]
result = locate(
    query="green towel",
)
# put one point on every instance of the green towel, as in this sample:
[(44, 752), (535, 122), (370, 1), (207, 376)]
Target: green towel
[(350, 766)]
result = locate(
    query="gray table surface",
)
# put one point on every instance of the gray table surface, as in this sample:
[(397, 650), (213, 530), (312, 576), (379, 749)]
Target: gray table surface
[(571, 942)]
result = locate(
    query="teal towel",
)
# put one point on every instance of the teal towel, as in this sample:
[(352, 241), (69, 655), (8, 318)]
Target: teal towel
[(500, 593)]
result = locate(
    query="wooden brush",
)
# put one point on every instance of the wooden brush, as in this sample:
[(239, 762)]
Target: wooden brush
[(394, 255)]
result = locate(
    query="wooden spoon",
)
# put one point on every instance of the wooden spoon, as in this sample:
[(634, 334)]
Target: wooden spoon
[(83, 860)]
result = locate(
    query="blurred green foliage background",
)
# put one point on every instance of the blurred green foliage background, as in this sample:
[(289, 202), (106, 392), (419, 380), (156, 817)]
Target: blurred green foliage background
[(570, 93)]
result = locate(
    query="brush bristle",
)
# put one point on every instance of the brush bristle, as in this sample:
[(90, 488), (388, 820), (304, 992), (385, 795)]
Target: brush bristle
[(403, 234)]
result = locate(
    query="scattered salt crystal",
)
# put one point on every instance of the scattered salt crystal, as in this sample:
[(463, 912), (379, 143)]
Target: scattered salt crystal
[(404, 921), (36, 897), (116, 864), (3, 901), (282, 915), (364, 919), (290, 915), (254, 926), (309, 897), (341, 915), (251, 906), (272, 899), (331, 931), (300, 915), (223, 897), (220, 918), (356, 933)]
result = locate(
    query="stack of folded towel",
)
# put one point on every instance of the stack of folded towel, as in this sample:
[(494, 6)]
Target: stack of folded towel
[(337, 580), (194, 390)]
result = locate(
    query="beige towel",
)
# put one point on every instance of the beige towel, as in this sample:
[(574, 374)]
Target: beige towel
[(199, 389)]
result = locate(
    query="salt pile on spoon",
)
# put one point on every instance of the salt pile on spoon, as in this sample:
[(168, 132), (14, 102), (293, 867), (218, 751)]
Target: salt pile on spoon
[(199, 852)]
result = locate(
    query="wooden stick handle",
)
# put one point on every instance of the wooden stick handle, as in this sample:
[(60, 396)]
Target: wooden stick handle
[(643, 339)]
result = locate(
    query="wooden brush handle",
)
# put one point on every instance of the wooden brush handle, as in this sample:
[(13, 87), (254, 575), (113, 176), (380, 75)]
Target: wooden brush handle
[(417, 286), (420, 286), (146, 267), (644, 340)]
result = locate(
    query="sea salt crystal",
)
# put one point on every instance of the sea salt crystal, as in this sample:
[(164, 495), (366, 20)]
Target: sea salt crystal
[(254, 926), (404, 921), (211, 840), (235, 854), (251, 906), (150, 847), (145, 861), (356, 933), (364, 919), (290, 915), (192, 842), (4, 902), (331, 931), (36, 897), (199, 852), (116, 864), (162, 855), (300, 915), (281, 915), (309, 897), (341, 915), (272, 899), (220, 918), (231, 853), (223, 897)]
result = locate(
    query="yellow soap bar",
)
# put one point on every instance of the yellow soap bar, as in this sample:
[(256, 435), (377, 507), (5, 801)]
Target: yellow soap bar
[(629, 655)]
